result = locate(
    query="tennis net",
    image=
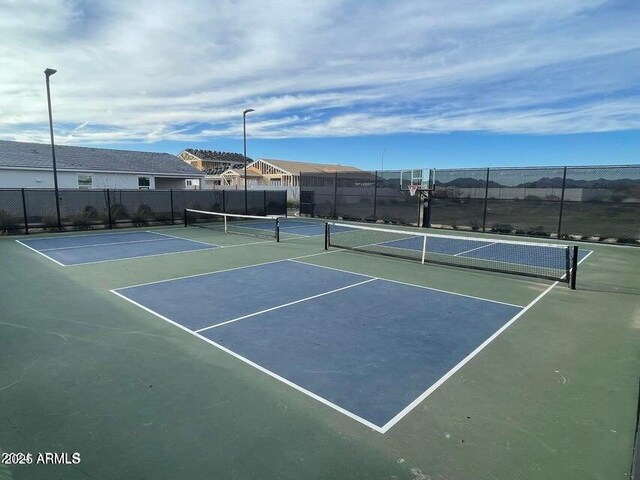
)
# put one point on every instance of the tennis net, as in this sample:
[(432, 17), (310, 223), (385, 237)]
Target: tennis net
[(257, 226), (543, 260)]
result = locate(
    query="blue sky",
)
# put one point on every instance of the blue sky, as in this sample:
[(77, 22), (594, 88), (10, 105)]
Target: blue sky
[(431, 84)]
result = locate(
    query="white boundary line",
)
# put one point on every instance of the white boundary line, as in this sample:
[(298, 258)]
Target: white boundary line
[(411, 284), (474, 249), (400, 415), (104, 244), (212, 246), (40, 253), (464, 361), (258, 367), (236, 268), (285, 304), (181, 238)]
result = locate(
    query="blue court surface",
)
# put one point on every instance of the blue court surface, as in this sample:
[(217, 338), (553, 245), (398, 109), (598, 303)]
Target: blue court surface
[(301, 228), (83, 249), (368, 347), (528, 254)]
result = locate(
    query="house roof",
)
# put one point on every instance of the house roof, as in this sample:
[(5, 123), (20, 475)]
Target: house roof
[(297, 167), (215, 156), (37, 155)]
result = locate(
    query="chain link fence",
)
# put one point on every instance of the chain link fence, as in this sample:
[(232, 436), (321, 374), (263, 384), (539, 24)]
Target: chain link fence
[(34, 210), (590, 203), (358, 196)]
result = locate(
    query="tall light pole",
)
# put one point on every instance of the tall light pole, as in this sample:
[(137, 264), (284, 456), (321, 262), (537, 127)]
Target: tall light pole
[(244, 130), (48, 72), (382, 162)]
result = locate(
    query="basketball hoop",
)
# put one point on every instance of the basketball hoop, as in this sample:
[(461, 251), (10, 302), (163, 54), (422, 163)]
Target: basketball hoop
[(413, 189)]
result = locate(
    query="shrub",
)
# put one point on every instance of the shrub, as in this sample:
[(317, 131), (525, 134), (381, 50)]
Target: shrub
[(140, 217), (538, 230), (162, 217), (502, 228), (81, 221), (8, 223), (50, 222), (118, 212), (627, 240), (90, 212), (519, 231)]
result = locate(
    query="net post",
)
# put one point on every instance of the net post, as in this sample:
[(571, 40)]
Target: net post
[(424, 248), (186, 222), (277, 229), (225, 223), (24, 213), (574, 267), (326, 236)]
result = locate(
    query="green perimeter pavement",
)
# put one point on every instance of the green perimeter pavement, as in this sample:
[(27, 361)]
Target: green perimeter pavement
[(81, 370)]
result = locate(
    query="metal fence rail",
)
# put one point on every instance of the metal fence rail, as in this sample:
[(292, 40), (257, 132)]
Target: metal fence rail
[(29, 210)]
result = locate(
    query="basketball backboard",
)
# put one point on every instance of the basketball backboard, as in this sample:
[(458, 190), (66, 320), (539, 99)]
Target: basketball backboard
[(418, 177)]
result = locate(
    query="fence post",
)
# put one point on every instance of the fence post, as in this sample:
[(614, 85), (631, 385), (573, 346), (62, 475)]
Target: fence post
[(375, 195), (224, 202), (265, 201), (486, 196), (171, 202), (24, 212), (109, 219), (564, 181), (335, 197)]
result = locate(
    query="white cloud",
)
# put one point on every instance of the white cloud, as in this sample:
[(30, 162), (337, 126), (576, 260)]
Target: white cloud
[(148, 71)]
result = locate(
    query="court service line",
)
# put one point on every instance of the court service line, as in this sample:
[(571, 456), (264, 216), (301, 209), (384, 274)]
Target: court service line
[(180, 238), (286, 304), (212, 246), (235, 268), (412, 285), (474, 249), (258, 367), (465, 360), (40, 253), (105, 244)]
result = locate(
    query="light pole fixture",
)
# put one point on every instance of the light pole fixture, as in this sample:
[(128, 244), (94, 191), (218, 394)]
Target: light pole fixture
[(244, 130), (48, 72)]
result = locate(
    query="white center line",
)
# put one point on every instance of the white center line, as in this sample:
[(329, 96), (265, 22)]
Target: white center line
[(285, 305)]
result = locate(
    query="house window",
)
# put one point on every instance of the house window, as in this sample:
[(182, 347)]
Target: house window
[(85, 182), (276, 181), (144, 183)]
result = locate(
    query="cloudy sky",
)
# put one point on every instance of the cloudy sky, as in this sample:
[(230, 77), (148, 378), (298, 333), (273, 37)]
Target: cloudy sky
[(416, 83)]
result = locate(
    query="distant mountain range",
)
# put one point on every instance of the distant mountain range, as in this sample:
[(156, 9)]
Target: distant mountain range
[(545, 182)]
